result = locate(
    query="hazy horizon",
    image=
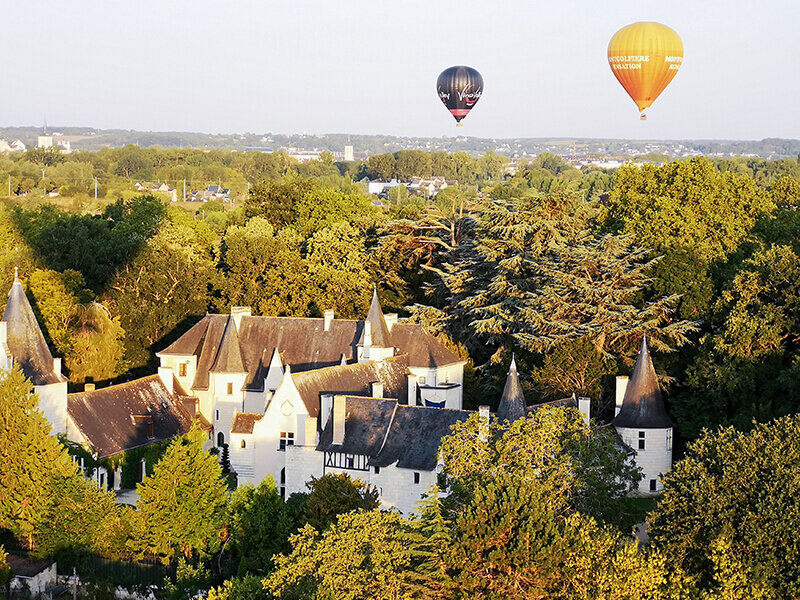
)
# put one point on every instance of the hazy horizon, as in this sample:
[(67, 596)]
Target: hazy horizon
[(306, 67)]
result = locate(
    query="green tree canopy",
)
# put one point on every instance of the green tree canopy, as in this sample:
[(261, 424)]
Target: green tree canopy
[(182, 506), (730, 510), (334, 494), (577, 465)]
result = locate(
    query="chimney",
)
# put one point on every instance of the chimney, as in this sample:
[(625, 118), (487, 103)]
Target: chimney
[(237, 312), (57, 365), (412, 389), (339, 414), (483, 420), (367, 334), (622, 385), (376, 389), (88, 386), (328, 318), (311, 432), (585, 406), (390, 319), (326, 405), (166, 376)]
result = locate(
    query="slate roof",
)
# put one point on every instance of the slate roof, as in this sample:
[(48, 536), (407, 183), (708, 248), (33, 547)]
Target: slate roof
[(113, 419), (389, 432), (229, 356), (367, 421), (379, 332), (244, 422), (353, 380), (303, 343), (512, 402), (643, 406), (26, 341), (22, 566)]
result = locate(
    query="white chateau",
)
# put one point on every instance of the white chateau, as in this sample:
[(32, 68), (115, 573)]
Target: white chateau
[(296, 398)]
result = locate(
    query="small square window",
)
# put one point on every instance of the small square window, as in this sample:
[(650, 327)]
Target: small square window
[(416, 477), (422, 380), (287, 439), (377, 470)]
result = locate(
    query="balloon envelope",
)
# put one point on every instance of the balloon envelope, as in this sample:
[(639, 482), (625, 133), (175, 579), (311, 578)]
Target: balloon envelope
[(459, 88), (644, 58)]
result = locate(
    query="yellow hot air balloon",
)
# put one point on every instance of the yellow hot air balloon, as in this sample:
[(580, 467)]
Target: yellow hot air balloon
[(644, 58)]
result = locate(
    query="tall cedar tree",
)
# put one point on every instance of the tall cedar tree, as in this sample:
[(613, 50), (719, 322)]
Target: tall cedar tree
[(537, 278), (182, 506)]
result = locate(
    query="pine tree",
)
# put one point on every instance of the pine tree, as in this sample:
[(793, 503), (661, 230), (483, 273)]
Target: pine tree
[(34, 464), (182, 506)]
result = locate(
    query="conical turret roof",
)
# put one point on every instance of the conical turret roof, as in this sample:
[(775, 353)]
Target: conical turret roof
[(229, 356), (643, 406), (512, 402), (379, 330), (26, 341)]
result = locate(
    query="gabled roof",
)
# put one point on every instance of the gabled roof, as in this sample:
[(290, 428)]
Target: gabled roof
[(303, 343), (229, 356), (381, 338), (116, 418), (512, 402), (642, 406), (389, 432), (26, 341), (415, 436), (354, 380)]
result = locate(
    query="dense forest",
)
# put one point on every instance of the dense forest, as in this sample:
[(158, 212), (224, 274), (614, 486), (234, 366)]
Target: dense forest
[(563, 268)]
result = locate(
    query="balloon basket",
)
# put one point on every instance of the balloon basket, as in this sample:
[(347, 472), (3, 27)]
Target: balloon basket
[(643, 117), (459, 124)]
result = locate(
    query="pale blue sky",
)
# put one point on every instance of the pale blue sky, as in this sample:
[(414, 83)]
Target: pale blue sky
[(370, 66)]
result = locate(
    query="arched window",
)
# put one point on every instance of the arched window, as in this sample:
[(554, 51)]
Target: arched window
[(220, 439), (244, 444)]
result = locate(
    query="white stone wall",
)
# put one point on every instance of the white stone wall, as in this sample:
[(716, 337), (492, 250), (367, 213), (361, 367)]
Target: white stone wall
[(53, 403), (39, 582), (453, 397), (302, 463), (174, 363), (656, 458), (396, 487), (225, 405), (256, 402)]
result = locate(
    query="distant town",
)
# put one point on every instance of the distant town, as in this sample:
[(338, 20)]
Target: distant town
[(303, 147)]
